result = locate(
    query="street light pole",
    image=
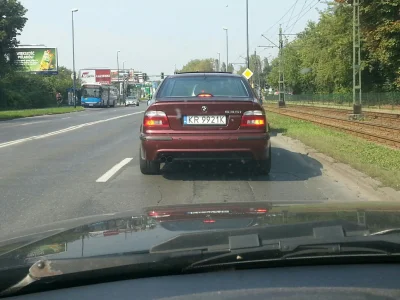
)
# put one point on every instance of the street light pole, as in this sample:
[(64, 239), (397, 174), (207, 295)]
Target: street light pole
[(123, 81), (227, 49), (219, 62), (73, 56), (247, 33), (119, 87)]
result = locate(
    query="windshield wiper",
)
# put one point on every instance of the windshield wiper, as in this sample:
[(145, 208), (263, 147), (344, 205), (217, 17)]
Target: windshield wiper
[(243, 251), (205, 249)]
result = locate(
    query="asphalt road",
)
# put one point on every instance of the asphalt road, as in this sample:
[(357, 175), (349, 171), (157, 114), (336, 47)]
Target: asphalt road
[(60, 167)]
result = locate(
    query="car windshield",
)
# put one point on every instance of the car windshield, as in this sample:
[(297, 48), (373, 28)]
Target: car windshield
[(191, 86), (91, 92), (186, 124)]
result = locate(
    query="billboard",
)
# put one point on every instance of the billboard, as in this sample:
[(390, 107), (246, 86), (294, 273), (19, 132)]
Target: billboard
[(38, 60), (87, 76), (103, 76), (48, 250), (127, 74)]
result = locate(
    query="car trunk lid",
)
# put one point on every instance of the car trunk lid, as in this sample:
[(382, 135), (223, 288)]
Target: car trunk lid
[(210, 116)]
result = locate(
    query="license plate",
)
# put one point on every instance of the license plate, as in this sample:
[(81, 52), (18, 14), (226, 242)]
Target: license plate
[(204, 120), (90, 104)]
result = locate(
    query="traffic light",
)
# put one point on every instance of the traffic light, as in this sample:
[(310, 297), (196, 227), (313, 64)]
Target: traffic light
[(162, 75)]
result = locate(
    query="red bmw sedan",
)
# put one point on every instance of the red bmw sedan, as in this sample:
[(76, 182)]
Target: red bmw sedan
[(204, 116)]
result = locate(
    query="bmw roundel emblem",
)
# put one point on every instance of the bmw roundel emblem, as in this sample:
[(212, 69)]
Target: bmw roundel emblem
[(204, 108)]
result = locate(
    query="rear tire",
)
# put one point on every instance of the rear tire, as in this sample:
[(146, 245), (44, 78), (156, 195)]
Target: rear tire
[(148, 167), (263, 167)]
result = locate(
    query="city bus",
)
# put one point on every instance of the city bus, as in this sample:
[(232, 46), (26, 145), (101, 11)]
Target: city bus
[(98, 95)]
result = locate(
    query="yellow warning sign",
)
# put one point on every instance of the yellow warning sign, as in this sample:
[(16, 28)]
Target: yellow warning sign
[(247, 73)]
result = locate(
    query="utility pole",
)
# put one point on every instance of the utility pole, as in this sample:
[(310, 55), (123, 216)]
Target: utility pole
[(357, 95), (119, 86), (281, 81), (73, 56), (259, 66), (227, 48), (247, 33)]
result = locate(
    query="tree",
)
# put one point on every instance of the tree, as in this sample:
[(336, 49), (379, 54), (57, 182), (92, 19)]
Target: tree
[(61, 82), (12, 21), (223, 67), (241, 69), (199, 65), (320, 58), (217, 65), (231, 68), (380, 28)]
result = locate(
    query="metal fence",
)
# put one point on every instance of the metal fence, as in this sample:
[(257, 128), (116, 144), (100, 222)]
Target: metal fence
[(371, 100)]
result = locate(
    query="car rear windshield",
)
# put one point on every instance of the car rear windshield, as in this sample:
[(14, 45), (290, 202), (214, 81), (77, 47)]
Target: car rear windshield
[(192, 86)]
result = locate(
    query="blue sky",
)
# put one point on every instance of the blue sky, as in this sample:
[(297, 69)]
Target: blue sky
[(155, 35)]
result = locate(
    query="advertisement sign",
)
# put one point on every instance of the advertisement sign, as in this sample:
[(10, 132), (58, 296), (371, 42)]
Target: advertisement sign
[(38, 60), (87, 76), (103, 76), (48, 249), (127, 74)]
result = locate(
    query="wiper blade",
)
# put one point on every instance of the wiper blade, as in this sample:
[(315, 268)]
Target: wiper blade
[(387, 231), (293, 249), (78, 269)]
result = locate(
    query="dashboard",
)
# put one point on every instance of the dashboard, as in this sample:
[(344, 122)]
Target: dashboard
[(373, 281)]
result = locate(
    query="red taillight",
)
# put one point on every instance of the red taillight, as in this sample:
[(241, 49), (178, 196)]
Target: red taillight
[(155, 214), (110, 232), (155, 119), (261, 210), (204, 95), (253, 118), (209, 221)]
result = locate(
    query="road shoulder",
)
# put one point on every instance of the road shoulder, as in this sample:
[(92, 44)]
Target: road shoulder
[(371, 188)]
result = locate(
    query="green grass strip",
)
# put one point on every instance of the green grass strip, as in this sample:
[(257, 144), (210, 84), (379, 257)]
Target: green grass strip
[(375, 160), (14, 114)]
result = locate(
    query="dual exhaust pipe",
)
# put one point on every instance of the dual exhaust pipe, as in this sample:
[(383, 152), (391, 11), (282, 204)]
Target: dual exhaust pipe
[(166, 159)]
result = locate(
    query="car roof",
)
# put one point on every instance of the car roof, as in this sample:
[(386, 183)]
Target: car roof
[(195, 74)]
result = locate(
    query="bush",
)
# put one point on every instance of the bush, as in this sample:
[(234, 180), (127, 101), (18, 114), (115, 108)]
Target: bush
[(26, 91), (22, 91)]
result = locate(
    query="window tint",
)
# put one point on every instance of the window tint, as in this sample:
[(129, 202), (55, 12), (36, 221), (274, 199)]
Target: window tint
[(218, 86)]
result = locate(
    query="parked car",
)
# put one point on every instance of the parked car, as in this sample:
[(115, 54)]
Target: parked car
[(131, 100)]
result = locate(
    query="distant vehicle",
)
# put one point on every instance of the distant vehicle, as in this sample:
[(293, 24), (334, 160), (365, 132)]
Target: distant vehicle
[(204, 116), (98, 95), (131, 100)]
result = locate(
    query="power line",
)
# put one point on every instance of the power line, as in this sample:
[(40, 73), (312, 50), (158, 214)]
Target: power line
[(270, 28), (301, 16), (279, 21), (294, 6), (302, 9)]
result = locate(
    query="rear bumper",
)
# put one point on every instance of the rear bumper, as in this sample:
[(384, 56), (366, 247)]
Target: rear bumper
[(205, 147), (91, 104)]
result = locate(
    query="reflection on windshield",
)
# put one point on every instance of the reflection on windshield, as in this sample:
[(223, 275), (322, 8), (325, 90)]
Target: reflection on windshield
[(91, 93), (218, 86)]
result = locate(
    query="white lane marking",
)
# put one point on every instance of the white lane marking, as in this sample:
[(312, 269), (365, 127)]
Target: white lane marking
[(33, 123), (24, 124), (66, 118), (37, 137), (114, 170)]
